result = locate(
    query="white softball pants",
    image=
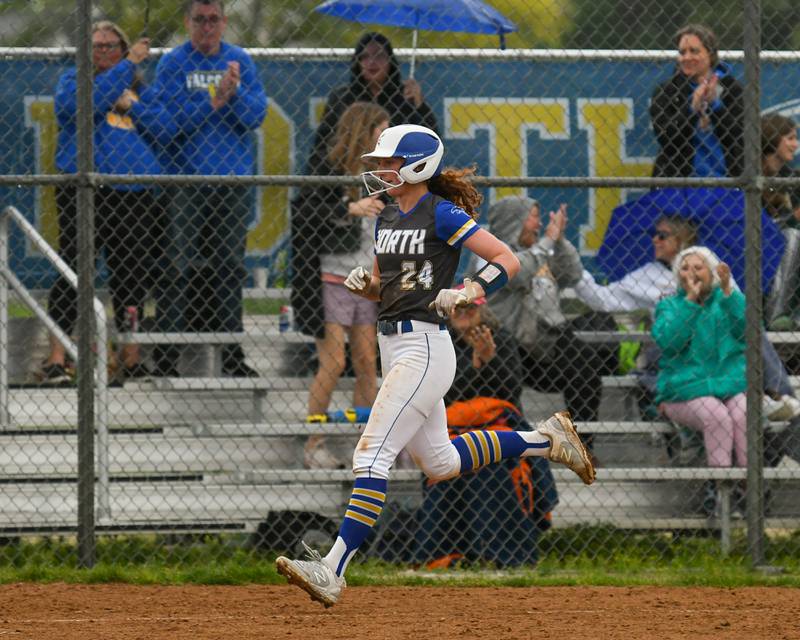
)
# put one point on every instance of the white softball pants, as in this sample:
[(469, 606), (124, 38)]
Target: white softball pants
[(409, 411)]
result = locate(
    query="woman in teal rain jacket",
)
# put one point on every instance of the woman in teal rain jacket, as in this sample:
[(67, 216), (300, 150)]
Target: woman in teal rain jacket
[(700, 330)]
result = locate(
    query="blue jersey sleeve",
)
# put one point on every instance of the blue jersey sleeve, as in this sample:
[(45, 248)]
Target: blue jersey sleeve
[(453, 224)]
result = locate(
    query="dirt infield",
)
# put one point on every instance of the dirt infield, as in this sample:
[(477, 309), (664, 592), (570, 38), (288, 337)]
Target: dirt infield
[(85, 612)]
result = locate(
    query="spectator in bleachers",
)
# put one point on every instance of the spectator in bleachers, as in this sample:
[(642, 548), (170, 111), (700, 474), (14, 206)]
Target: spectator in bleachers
[(127, 217), (553, 358), (375, 77), (644, 287), (497, 513), (214, 95), (333, 229), (778, 147), (697, 113), (702, 381)]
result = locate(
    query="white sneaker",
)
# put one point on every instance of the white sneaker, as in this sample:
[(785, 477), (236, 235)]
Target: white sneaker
[(317, 456), (566, 446), (782, 409), (793, 404), (313, 576)]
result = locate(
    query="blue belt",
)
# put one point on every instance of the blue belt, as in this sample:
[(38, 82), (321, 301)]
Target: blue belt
[(391, 328)]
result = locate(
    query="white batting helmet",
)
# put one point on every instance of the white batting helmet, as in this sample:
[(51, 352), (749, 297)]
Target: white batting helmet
[(420, 148)]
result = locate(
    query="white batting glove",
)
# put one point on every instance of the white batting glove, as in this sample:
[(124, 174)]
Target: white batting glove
[(358, 279), (449, 299)]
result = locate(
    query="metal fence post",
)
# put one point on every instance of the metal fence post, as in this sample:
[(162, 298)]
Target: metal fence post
[(753, 250), (86, 467), (5, 416)]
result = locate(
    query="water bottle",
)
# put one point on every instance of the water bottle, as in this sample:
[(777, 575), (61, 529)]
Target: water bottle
[(286, 318), (132, 319)]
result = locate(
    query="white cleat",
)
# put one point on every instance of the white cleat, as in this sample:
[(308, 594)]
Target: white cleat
[(566, 446), (313, 576)]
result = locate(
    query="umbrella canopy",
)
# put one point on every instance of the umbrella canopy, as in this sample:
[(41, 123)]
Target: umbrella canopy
[(467, 16), (719, 214)]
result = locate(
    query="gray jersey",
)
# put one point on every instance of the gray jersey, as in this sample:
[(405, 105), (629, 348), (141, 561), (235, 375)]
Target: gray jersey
[(418, 254)]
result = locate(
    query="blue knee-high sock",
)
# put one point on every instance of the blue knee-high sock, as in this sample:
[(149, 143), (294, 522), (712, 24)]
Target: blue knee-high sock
[(366, 504), (479, 448)]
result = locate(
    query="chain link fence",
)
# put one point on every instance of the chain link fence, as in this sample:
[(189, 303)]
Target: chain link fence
[(233, 370)]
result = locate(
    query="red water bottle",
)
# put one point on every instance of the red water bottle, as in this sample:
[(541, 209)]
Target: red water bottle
[(132, 319)]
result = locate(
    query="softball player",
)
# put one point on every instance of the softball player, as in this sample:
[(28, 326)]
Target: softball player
[(418, 242)]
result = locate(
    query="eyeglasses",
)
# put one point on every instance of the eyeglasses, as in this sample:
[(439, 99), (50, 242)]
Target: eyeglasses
[(200, 21), (105, 46), (662, 235)]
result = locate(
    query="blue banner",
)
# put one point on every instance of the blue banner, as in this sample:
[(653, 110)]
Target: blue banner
[(511, 118)]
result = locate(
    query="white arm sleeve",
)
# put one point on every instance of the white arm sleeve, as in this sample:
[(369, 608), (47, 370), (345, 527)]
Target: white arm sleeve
[(640, 289)]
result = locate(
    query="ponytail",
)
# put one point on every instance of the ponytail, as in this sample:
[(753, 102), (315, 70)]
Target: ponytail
[(452, 184)]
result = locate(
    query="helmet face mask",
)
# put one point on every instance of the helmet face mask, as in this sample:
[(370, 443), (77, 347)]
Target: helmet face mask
[(375, 184), (419, 147)]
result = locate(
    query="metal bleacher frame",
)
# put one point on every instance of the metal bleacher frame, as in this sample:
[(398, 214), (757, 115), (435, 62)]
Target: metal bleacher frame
[(156, 472)]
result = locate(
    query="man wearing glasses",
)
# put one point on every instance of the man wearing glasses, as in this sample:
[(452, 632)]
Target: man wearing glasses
[(215, 98)]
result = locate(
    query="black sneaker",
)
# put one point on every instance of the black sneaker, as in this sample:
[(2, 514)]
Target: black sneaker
[(53, 374), (239, 370)]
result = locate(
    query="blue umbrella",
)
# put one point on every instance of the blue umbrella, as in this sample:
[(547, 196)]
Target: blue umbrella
[(468, 16), (719, 214)]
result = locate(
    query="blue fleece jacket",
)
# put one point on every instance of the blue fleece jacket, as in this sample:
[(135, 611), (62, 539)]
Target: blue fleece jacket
[(118, 147), (205, 141), (709, 156)]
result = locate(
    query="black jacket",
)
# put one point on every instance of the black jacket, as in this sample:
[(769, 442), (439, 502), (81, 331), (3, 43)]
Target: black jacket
[(500, 378), (781, 203), (400, 110), (674, 125)]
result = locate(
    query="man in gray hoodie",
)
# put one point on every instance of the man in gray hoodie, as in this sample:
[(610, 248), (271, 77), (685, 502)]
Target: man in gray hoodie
[(553, 359)]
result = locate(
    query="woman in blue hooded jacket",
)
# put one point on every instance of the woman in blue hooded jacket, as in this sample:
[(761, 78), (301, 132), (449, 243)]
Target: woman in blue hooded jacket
[(127, 216)]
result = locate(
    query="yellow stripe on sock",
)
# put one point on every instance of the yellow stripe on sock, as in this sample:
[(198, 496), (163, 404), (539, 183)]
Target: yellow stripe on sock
[(370, 522), (374, 508), (498, 454), (473, 450), (484, 446), (369, 493)]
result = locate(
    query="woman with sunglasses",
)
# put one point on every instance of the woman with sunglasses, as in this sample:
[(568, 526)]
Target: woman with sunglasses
[(644, 287)]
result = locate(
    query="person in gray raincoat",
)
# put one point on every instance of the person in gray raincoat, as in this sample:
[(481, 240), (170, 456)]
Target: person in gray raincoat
[(553, 358)]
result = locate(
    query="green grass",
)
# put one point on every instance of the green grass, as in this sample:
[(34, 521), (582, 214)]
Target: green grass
[(581, 556), (262, 307), (17, 309), (259, 307)]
